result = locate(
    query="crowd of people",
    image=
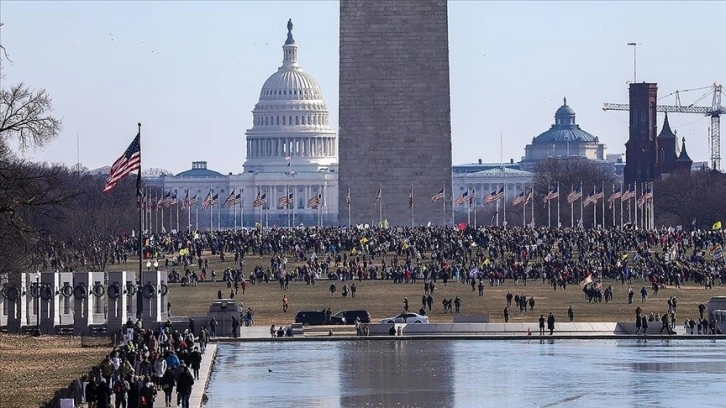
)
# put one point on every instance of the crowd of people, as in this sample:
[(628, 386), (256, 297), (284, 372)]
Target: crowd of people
[(148, 365)]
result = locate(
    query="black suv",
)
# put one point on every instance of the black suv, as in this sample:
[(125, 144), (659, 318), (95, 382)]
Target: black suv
[(314, 318), (351, 315)]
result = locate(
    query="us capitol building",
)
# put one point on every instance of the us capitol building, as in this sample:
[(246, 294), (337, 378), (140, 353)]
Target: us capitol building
[(291, 162)]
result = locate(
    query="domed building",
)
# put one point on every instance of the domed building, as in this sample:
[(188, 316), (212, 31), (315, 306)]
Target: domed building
[(563, 139), (290, 121), (290, 174)]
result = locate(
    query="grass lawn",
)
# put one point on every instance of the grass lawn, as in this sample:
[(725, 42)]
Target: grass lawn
[(385, 299), (33, 368)]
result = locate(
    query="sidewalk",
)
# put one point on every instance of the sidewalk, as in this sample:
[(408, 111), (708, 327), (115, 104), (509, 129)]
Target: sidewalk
[(205, 372)]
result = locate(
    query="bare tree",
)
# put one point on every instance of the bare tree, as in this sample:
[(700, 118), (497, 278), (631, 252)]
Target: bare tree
[(690, 199), (25, 116)]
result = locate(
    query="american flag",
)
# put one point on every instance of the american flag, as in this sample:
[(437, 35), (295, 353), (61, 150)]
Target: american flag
[(574, 195), (589, 200), (472, 197), (494, 196), (519, 199), (377, 200), (627, 194), (614, 196), (410, 197), (260, 200), (314, 201), (185, 203), (215, 199), (552, 195), (193, 200), (600, 194), (172, 200), (285, 201), (648, 195), (462, 198), (128, 162), (438, 196), (347, 197), (530, 196), (207, 200), (230, 199)]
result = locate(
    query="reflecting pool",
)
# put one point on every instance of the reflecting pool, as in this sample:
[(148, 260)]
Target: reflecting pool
[(470, 373)]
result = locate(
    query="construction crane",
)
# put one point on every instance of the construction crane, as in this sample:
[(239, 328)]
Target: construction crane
[(714, 112)]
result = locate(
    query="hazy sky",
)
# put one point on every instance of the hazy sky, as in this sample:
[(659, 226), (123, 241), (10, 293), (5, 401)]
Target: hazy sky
[(191, 72)]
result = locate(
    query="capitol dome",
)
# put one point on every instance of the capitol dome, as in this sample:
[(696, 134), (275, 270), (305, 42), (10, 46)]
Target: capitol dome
[(290, 121), (564, 139)]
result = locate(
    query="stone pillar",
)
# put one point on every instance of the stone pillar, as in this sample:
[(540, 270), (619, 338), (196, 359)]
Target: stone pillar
[(117, 301), (30, 302), (131, 294), (15, 299), (65, 298), (97, 298), (82, 303), (150, 287), (49, 302)]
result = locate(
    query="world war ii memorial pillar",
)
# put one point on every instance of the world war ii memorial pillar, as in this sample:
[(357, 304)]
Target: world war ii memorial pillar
[(395, 121), (82, 303), (49, 302), (117, 298)]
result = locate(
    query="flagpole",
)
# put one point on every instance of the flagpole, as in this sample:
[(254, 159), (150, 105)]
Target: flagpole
[(531, 205), (621, 204), (652, 204), (582, 192), (412, 219), (572, 209), (635, 206), (380, 204), (348, 199), (613, 208), (139, 298), (267, 214), (603, 205), (241, 211), (504, 202), (524, 209), (594, 207), (468, 206), (549, 207), (287, 205), (558, 205), (443, 206)]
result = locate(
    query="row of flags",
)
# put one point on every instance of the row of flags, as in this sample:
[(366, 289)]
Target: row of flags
[(234, 198), (526, 196)]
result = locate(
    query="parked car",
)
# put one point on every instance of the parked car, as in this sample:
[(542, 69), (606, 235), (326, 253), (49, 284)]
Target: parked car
[(314, 318), (406, 318), (351, 315)]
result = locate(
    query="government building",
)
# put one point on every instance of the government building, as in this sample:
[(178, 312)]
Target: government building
[(290, 170)]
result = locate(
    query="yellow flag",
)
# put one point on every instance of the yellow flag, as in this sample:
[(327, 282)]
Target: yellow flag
[(624, 256), (716, 226)]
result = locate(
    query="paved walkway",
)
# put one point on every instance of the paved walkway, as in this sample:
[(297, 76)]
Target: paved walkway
[(205, 371)]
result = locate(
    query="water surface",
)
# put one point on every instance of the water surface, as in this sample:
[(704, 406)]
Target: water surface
[(469, 373)]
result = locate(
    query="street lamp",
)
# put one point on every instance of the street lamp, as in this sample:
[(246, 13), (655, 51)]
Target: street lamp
[(148, 266), (36, 332), (156, 265)]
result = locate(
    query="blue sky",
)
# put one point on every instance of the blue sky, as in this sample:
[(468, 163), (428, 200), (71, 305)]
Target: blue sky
[(191, 71)]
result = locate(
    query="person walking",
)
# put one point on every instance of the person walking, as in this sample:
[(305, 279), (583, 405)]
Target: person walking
[(570, 313), (167, 385), (551, 323), (184, 386), (285, 303), (195, 361)]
